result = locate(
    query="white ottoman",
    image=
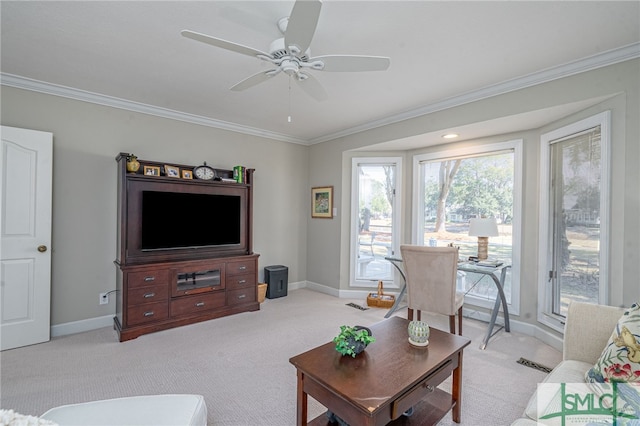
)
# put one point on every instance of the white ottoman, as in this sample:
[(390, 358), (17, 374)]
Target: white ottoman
[(147, 410)]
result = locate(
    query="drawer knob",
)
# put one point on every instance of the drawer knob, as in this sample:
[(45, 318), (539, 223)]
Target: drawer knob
[(200, 304), (148, 295), (429, 388), (147, 279), (148, 314), (242, 281), (242, 296), (242, 268)]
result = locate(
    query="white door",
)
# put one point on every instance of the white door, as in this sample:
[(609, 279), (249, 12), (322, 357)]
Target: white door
[(375, 219), (25, 230)]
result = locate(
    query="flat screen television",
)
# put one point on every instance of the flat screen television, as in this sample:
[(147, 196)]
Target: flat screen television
[(174, 221), (194, 221)]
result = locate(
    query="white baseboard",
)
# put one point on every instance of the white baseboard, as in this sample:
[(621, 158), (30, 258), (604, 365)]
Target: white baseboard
[(81, 326), (518, 326), (343, 294), (107, 320), (298, 285), (521, 327)]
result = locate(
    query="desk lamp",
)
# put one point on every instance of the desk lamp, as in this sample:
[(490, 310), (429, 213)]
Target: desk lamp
[(483, 228)]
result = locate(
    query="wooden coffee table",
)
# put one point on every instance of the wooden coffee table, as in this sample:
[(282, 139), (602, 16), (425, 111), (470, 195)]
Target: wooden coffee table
[(388, 378)]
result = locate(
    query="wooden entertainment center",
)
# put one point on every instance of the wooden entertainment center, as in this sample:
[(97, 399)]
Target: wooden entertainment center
[(185, 251)]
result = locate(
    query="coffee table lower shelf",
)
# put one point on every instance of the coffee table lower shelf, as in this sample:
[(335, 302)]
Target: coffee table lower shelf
[(427, 412)]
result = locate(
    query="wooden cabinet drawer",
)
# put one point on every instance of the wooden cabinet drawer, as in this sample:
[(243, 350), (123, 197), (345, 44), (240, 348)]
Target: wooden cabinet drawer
[(140, 295), (244, 295), (148, 278), (241, 267), (197, 303), (235, 282), (422, 389), (146, 313)]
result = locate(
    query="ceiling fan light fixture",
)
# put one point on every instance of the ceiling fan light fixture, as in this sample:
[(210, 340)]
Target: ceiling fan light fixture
[(291, 54), (278, 50), (289, 67)]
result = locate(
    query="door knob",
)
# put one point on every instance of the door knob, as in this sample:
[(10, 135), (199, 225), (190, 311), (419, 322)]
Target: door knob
[(42, 249)]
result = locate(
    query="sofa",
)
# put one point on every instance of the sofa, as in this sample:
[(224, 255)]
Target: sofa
[(587, 331), (144, 410)]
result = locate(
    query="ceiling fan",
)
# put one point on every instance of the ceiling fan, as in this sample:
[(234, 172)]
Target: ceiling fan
[(291, 55)]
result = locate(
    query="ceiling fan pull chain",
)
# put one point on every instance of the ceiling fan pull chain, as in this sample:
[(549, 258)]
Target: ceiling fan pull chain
[(289, 117)]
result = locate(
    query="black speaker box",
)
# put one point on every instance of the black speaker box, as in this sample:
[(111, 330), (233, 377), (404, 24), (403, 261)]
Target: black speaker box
[(276, 277)]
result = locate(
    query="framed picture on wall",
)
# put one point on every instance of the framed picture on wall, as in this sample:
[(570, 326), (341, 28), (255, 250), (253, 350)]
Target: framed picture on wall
[(322, 202), (187, 174)]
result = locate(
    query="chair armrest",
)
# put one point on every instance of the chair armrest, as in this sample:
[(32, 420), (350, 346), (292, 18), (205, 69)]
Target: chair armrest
[(587, 330)]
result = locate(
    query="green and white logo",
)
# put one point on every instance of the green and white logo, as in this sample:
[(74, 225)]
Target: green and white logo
[(589, 404)]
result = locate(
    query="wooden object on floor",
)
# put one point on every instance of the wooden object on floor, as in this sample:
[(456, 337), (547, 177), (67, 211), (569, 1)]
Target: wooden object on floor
[(166, 281), (426, 412), (361, 393), (379, 299)]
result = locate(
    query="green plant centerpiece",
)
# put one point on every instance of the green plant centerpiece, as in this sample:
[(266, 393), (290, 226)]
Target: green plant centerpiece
[(353, 340)]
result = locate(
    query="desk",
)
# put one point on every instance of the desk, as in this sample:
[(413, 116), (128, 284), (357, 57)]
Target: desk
[(489, 271), (390, 377)]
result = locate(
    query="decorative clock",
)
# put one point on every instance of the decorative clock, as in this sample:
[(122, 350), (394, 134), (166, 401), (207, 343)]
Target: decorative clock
[(204, 172)]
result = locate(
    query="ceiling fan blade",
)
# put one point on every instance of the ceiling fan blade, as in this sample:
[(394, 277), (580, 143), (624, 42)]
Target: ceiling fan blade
[(302, 24), (312, 87), (254, 80), (218, 42), (350, 63)]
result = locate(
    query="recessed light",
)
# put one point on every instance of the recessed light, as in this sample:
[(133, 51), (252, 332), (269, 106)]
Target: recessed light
[(450, 136)]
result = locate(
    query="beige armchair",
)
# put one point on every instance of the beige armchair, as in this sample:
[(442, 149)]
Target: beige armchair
[(431, 274)]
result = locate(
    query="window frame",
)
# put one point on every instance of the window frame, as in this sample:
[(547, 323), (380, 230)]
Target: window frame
[(417, 216), (355, 214), (545, 291)]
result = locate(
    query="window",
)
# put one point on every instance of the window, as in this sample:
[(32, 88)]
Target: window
[(453, 186), (375, 216), (574, 217)]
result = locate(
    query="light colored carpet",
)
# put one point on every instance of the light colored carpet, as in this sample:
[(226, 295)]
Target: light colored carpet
[(240, 364)]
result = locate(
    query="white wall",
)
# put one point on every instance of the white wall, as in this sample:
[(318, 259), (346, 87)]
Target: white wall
[(619, 83), (87, 138)]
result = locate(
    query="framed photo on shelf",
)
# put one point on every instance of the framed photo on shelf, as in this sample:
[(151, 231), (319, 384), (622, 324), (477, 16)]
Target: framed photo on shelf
[(187, 174), (151, 170), (171, 171), (322, 202)]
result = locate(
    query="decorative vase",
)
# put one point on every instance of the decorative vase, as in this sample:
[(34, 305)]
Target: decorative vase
[(419, 333), (132, 164), (359, 346)]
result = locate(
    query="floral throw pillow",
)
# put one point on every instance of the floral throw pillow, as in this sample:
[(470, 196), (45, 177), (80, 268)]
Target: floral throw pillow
[(620, 359)]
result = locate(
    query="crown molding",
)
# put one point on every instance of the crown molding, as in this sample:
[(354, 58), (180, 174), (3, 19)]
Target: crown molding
[(610, 57), (110, 101)]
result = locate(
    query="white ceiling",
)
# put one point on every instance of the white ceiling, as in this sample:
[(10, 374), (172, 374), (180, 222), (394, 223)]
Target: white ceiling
[(441, 53)]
